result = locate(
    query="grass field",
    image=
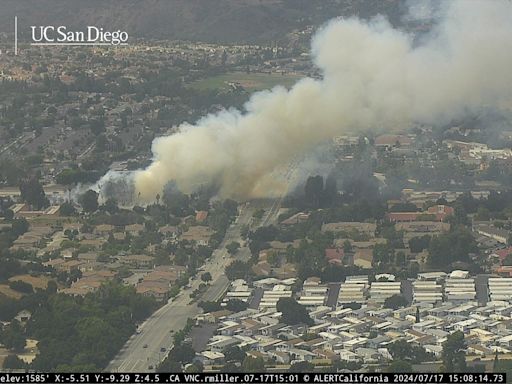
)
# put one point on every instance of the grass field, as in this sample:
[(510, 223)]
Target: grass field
[(250, 81)]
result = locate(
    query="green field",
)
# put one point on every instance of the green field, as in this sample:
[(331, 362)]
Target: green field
[(250, 81)]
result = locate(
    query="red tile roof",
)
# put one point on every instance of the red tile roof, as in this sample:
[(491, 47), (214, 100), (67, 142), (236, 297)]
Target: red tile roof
[(201, 216), (334, 254), (403, 216), (505, 271), (503, 253), (441, 212)]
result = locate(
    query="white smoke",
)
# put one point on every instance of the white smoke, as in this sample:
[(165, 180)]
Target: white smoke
[(373, 78), (115, 184), (422, 10)]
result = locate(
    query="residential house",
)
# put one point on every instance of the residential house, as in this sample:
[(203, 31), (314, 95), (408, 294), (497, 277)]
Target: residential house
[(200, 235)]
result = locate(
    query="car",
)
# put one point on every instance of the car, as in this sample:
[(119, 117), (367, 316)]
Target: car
[(162, 349), (145, 346), (150, 367)]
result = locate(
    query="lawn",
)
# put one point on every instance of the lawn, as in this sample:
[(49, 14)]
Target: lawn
[(250, 81)]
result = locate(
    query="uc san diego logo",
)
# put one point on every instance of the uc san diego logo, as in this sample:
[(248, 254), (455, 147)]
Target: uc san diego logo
[(61, 35)]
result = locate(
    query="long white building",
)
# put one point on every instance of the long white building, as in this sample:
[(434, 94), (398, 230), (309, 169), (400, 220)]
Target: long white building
[(381, 290)]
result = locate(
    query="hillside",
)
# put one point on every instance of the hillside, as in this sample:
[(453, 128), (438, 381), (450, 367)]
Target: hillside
[(205, 20)]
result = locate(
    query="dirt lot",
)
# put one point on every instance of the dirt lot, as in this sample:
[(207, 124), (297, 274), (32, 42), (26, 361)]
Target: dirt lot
[(6, 291), (37, 282)]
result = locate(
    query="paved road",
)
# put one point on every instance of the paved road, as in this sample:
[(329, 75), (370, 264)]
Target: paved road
[(481, 287), (256, 298), (333, 293), (87, 151), (144, 349), (407, 290), (222, 258)]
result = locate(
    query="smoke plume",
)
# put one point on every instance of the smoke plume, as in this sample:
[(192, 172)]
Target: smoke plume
[(373, 77)]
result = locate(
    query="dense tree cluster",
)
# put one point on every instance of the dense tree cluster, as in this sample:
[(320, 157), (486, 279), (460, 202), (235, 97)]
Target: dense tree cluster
[(293, 312), (448, 248), (238, 270), (84, 334), (9, 267), (234, 354), (233, 247), (454, 353), (13, 362), (89, 201), (21, 286), (12, 337), (419, 243), (395, 302), (72, 176), (401, 350), (497, 205), (32, 193)]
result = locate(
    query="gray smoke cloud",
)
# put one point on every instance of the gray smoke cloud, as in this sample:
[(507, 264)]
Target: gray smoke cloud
[(374, 78)]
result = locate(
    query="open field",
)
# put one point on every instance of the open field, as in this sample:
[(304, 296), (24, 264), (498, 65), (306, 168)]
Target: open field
[(11, 293), (250, 81), (40, 282)]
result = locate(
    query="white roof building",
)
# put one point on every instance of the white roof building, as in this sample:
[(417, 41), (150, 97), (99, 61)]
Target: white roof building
[(427, 291), (380, 291), (313, 294), (500, 289), (459, 289), (270, 298)]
